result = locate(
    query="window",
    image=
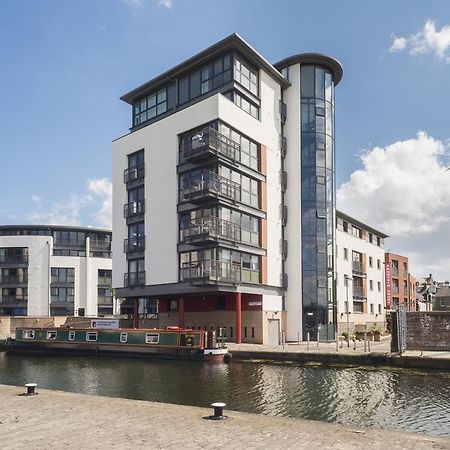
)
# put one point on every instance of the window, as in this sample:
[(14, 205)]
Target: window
[(356, 231), (51, 334), (71, 335), (246, 75), (358, 307), (123, 337), (370, 261), (28, 334), (91, 336), (371, 285), (243, 103), (379, 286), (378, 264), (346, 254), (370, 237), (63, 275), (152, 338), (378, 241), (372, 308), (151, 106), (62, 294), (345, 226), (379, 309)]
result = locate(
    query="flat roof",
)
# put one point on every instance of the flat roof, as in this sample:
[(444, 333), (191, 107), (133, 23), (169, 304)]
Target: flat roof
[(233, 41), (357, 222), (55, 227)]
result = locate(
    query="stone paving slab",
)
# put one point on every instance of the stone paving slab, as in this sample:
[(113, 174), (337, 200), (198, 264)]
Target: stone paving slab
[(65, 420)]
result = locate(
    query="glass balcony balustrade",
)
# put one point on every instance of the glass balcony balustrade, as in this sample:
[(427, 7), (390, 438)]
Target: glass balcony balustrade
[(13, 260), (12, 300), (210, 185), (358, 292), (208, 142), (6, 280), (134, 173), (133, 279), (210, 228), (357, 266), (134, 208), (135, 244), (211, 272)]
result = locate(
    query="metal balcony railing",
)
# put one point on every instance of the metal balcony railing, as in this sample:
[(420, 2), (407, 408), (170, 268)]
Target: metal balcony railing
[(210, 228), (100, 246), (209, 141), (13, 280), (357, 266), (211, 272), (132, 279), (134, 173), (134, 208), (211, 185), (135, 244), (13, 259), (358, 292)]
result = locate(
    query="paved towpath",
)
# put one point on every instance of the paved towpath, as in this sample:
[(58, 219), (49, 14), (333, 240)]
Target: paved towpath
[(56, 419)]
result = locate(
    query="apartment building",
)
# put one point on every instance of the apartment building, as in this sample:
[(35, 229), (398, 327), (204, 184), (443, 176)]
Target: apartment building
[(223, 195), (399, 290), (55, 270), (360, 275)]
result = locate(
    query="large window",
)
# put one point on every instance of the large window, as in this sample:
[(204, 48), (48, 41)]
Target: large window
[(246, 75), (243, 103), (64, 275), (249, 186), (205, 79), (70, 238), (62, 294), (151, 106)]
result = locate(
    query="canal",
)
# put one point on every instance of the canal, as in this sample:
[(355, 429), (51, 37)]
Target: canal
[(408, 400)]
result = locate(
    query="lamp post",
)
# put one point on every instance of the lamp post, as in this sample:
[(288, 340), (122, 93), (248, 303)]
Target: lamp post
[(347, 279)]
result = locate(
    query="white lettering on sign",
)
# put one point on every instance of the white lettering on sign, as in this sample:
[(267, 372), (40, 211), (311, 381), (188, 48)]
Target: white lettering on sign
[(254, 303), (104, 323)]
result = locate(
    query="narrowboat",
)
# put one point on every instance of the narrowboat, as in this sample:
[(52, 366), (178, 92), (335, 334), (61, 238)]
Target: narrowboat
[(167, 343)]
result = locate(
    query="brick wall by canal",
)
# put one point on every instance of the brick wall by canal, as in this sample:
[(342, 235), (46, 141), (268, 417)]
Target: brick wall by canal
[(428, 330)]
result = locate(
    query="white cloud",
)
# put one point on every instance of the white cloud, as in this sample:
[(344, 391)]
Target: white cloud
[(427, 41), (403, 189), (166, 3), (92, 208), (36, 198)]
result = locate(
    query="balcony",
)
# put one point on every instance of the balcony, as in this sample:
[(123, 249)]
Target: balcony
[(210, 272), (358, 292), (13, 280), (209, 142), (13, 260), (132, 209), (104, 282), (210, 229), (210, 186), (134, 279), (99, 246), (135, 244), (13, 301), (134, 173), (358, 268)]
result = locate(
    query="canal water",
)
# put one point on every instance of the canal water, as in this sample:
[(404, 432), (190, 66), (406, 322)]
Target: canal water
[(400, 399)]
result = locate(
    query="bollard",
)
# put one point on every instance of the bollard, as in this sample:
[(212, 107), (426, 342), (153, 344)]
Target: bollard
[(365, 341), (317, 338), (218, 411), (354, 344), (307, 340), (30, 389)]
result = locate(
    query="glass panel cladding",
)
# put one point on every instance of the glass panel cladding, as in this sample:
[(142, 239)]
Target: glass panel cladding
[(13, 255), (150, 106), (219, 265), (317, 201), (69, 239)]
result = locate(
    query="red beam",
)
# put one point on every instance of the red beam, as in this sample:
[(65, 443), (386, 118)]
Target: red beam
[(181, 312), (238, 318)]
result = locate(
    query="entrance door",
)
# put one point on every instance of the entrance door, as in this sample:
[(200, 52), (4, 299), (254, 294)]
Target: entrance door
[(273, 331)]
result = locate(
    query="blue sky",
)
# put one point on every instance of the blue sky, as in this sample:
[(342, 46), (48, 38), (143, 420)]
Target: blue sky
[(65, 64)]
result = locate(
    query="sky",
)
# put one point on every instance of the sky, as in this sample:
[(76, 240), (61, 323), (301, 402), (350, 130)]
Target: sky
[(65, 63)]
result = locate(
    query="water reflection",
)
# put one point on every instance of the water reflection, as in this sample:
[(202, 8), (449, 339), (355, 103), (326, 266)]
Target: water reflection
[(383, 398)]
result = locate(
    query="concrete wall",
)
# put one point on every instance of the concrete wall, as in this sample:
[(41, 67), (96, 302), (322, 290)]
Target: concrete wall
[(428, 330)]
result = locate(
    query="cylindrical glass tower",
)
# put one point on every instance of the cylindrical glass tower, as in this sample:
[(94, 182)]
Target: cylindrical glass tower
[(318, 200)]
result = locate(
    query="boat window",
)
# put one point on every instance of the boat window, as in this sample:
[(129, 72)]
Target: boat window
[(152, 338), (71, 335), (28, 334), (91, 336), (123, 337), (51, 334)]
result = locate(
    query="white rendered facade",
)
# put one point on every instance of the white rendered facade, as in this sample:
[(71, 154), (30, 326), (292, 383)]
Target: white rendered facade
[(41, 276), (163, 167), (360, 259)]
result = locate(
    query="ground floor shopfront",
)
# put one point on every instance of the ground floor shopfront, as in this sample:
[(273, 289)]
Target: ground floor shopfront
[(240, 316)]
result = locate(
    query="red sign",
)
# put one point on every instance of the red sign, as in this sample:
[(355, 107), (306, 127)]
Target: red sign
[(388, 278)]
